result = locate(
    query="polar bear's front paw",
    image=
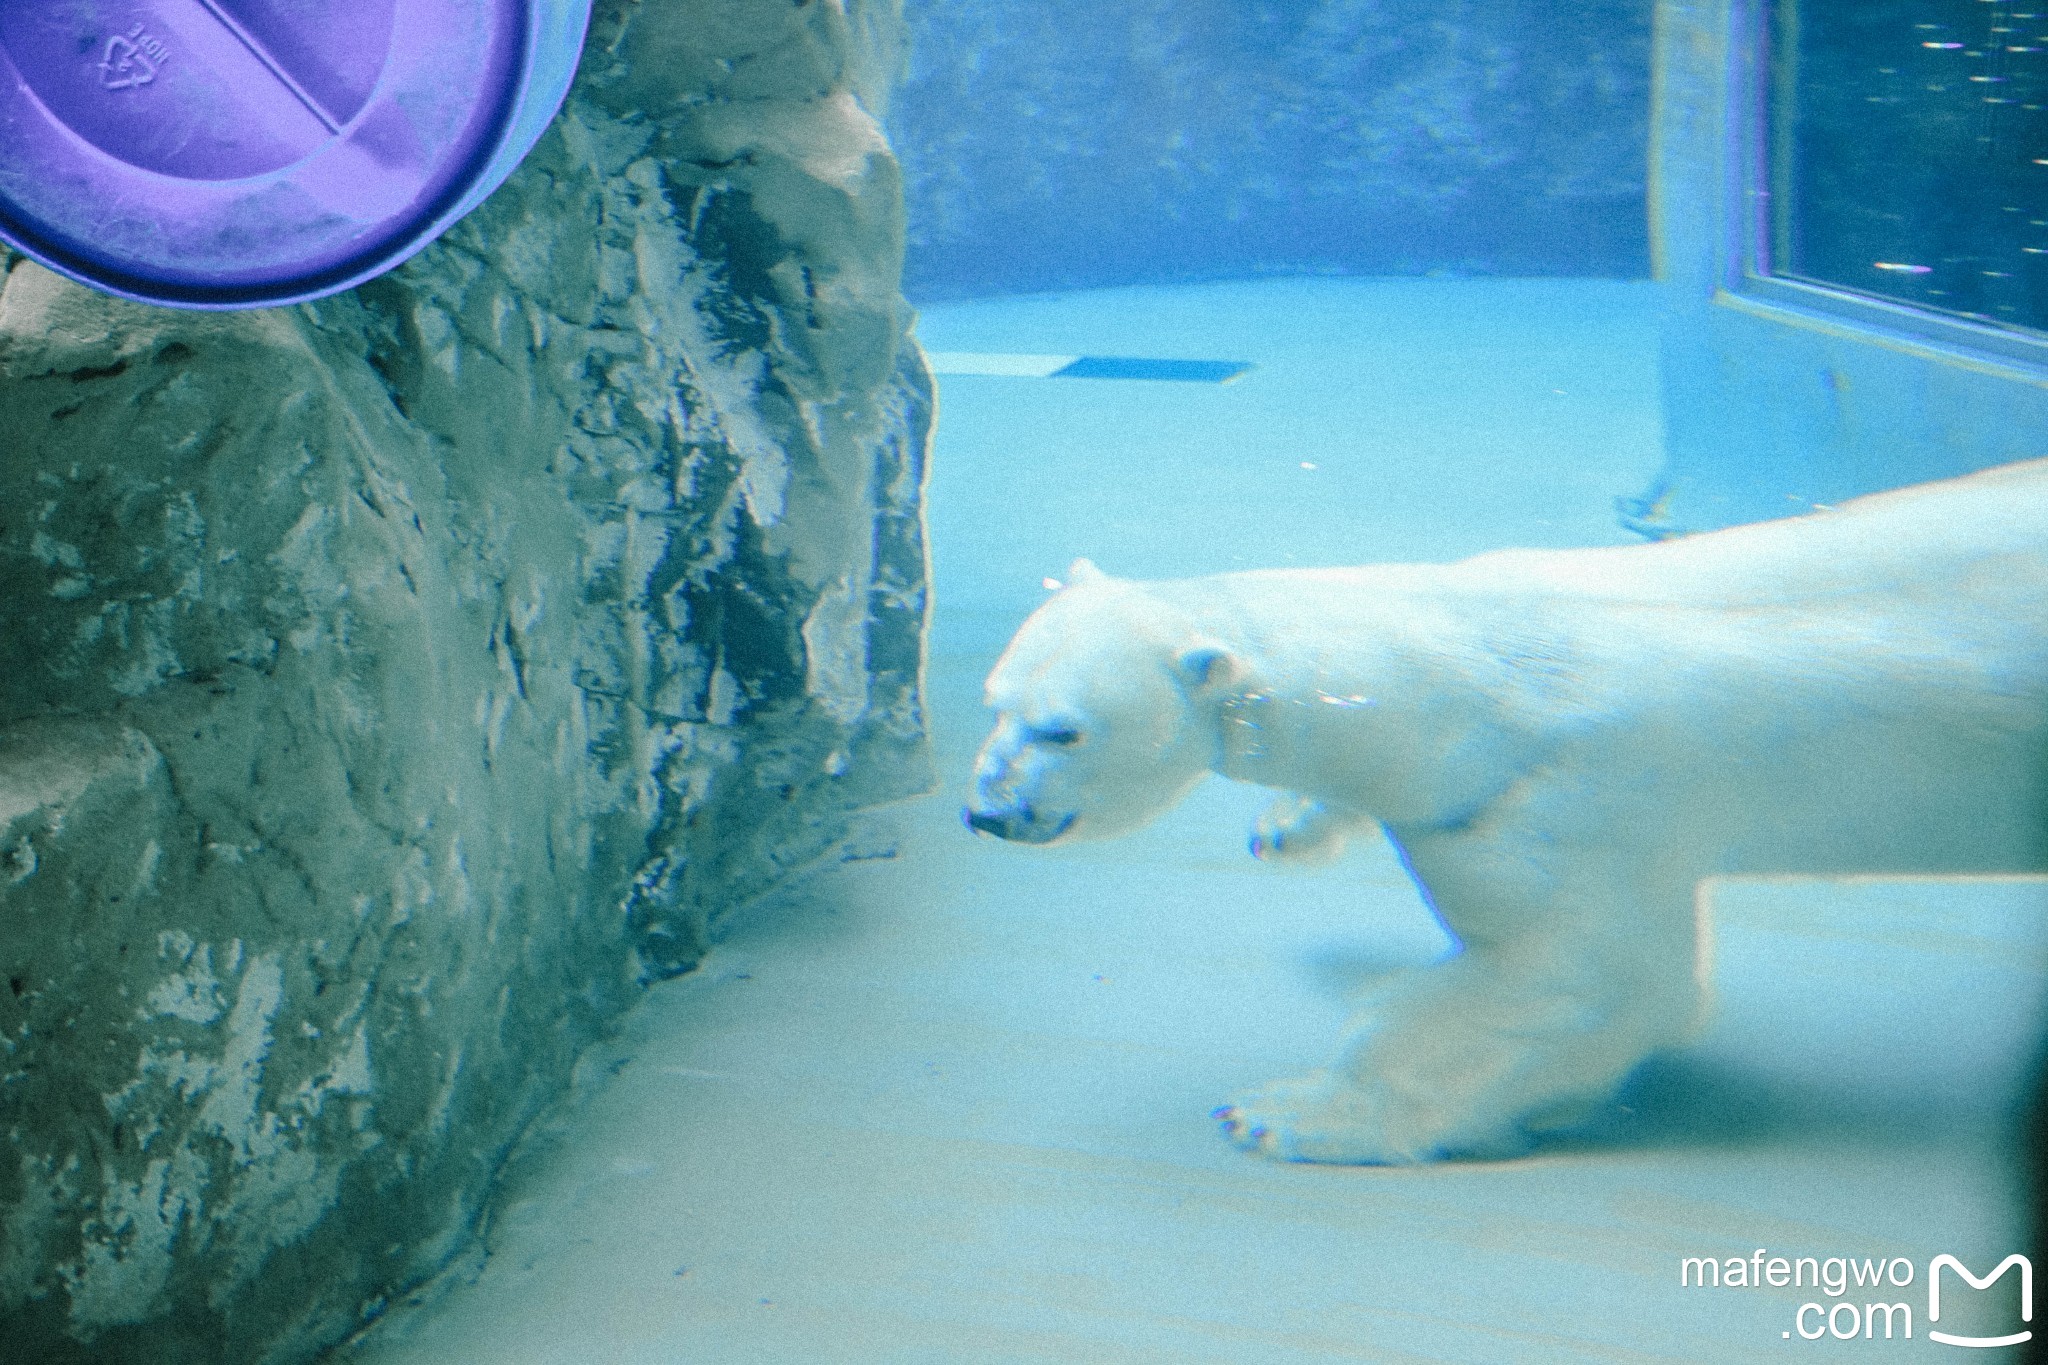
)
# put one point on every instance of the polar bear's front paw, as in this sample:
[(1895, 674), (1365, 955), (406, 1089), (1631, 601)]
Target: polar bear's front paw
[(1295, 829)]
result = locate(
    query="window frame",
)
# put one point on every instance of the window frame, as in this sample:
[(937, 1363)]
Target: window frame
[(1755, 31)]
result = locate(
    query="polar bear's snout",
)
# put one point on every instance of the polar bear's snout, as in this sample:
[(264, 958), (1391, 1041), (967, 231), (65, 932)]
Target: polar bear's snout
[(982, 822), (1021, 825), (999, 807)]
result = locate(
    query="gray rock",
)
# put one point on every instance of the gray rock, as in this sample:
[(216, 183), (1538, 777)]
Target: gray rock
[(394, 683)]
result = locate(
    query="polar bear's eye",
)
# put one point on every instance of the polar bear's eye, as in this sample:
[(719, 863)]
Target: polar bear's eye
[(1059, 736)]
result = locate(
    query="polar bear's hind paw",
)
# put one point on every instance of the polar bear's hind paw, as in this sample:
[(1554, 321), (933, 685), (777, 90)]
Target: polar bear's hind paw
[(1314, 1120), (1297, 1121)]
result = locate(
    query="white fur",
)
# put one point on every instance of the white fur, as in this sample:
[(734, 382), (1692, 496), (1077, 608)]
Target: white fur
[(1562, 744)]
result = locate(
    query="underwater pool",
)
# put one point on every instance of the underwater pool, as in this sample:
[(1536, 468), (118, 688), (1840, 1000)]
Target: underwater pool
[(950, 1102), (499, 859)]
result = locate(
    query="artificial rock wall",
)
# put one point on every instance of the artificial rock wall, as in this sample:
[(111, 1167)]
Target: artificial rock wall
[(394, 683)]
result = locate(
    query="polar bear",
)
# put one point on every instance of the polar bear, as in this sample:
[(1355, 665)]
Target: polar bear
[(1562, 744)]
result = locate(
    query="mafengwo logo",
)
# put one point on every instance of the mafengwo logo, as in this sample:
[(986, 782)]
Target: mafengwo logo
[(1852, 1315)]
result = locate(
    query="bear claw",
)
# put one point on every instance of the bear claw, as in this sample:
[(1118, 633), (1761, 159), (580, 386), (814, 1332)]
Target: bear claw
[(1239, 1129)]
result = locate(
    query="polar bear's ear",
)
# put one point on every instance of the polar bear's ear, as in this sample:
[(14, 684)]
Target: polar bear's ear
[(1083, 571), (1208, 665)]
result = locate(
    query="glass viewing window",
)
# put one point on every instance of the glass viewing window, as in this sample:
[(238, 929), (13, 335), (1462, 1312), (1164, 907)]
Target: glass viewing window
[(1908, 154)]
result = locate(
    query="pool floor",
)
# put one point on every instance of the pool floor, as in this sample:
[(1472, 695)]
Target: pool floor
[(949, 1101)]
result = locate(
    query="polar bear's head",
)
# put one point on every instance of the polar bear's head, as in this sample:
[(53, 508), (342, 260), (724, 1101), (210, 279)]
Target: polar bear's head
[(1105, 706)]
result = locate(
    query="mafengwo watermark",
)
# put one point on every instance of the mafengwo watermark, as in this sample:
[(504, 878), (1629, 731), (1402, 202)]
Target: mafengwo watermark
[(1873, 1298)]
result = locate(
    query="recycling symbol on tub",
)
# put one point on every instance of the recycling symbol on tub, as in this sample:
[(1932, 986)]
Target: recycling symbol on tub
[(132, 59)]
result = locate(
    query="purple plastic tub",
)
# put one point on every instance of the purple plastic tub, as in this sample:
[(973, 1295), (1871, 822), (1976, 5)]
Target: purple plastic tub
[(243, 153)]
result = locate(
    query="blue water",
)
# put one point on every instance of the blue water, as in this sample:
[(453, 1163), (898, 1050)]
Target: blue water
[(1384, 420), (951, 1104)]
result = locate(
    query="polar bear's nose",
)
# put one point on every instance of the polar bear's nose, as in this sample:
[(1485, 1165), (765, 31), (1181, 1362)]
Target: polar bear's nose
[(981, 822), (1022, 825)]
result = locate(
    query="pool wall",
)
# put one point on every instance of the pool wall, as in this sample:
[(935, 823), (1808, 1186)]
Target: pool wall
[(1055, 144)]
